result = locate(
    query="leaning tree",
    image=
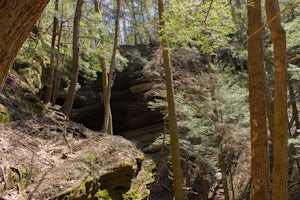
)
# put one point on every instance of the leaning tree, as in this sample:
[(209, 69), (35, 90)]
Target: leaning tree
[(17, 19)]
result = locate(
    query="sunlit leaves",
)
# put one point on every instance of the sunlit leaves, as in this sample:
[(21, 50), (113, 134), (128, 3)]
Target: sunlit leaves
[(193, 22)]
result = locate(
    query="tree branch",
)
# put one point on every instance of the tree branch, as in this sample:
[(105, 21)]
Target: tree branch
[(270, 21), (293, 59)]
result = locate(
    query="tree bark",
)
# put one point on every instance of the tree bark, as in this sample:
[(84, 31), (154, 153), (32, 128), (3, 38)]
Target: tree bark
[(52, 57), (134, 22), (57, 73), (107, 121), (68, 103), (175, 148), (280, 137), (98, 9), (17, 19), (260, 167)]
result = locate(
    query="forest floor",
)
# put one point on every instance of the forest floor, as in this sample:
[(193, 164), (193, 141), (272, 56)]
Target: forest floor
[(45, 156)]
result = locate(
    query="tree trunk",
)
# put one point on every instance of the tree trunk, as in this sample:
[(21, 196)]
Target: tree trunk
[(52, 58), (260, 167), (68, 103), (280, 137), (134, 22), (57, 73), (98, 9), (175, 148), (17, 19), (107, 121), (105, 89), (295, 111)]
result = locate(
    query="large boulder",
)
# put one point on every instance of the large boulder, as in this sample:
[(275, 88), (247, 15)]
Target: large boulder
[(46, 156)]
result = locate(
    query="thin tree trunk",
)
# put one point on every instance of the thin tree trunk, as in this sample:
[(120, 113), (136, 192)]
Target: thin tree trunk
[(68, 103), (105, 89), (260, 167), (280, 137), (57, 73), (52, 57), (107, 121), (294, 108), (175, 148), (134, 22), (98, 9), (17, 19), (124, 30)]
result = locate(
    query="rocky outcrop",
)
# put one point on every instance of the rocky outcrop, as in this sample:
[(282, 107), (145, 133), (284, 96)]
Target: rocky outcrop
[(134, 87), (130, 94), (45, 156)]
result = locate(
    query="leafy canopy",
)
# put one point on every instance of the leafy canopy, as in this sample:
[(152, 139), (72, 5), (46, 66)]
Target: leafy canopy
[(190, 22)]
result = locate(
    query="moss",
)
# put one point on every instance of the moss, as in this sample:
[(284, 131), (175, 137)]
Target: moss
[(12, 179), (103, 194), (4, 114), (33, 105), (89, 189), (90, 158), (30, 73), (125, 163), (139, 188)]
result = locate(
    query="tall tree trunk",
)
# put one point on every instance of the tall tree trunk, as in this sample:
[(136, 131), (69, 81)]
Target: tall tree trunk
[(17, 19), (175, 148), (68, 103), (280, 137), (124, 30), (260, 167), (107, 121), (57, 73), (106, 99), (52, 57), (98, 9), (134, 22)]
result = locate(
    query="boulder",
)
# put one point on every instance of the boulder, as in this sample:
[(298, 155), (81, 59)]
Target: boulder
[(46, 156)]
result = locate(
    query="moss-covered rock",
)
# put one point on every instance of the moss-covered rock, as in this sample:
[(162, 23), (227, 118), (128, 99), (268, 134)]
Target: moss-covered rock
[(30, 72), (88, 189), (140, 184), (33, 104), (4, 114)]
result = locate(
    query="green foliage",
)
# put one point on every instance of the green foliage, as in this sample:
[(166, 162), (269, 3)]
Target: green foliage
[(232, 94), (294, 72), (196, 23), (295, 143), (197, 130), (291, 24), (4, 115)]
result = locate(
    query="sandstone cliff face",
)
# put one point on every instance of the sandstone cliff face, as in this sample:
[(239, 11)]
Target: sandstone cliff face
[(130, 94), (134, 87)]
